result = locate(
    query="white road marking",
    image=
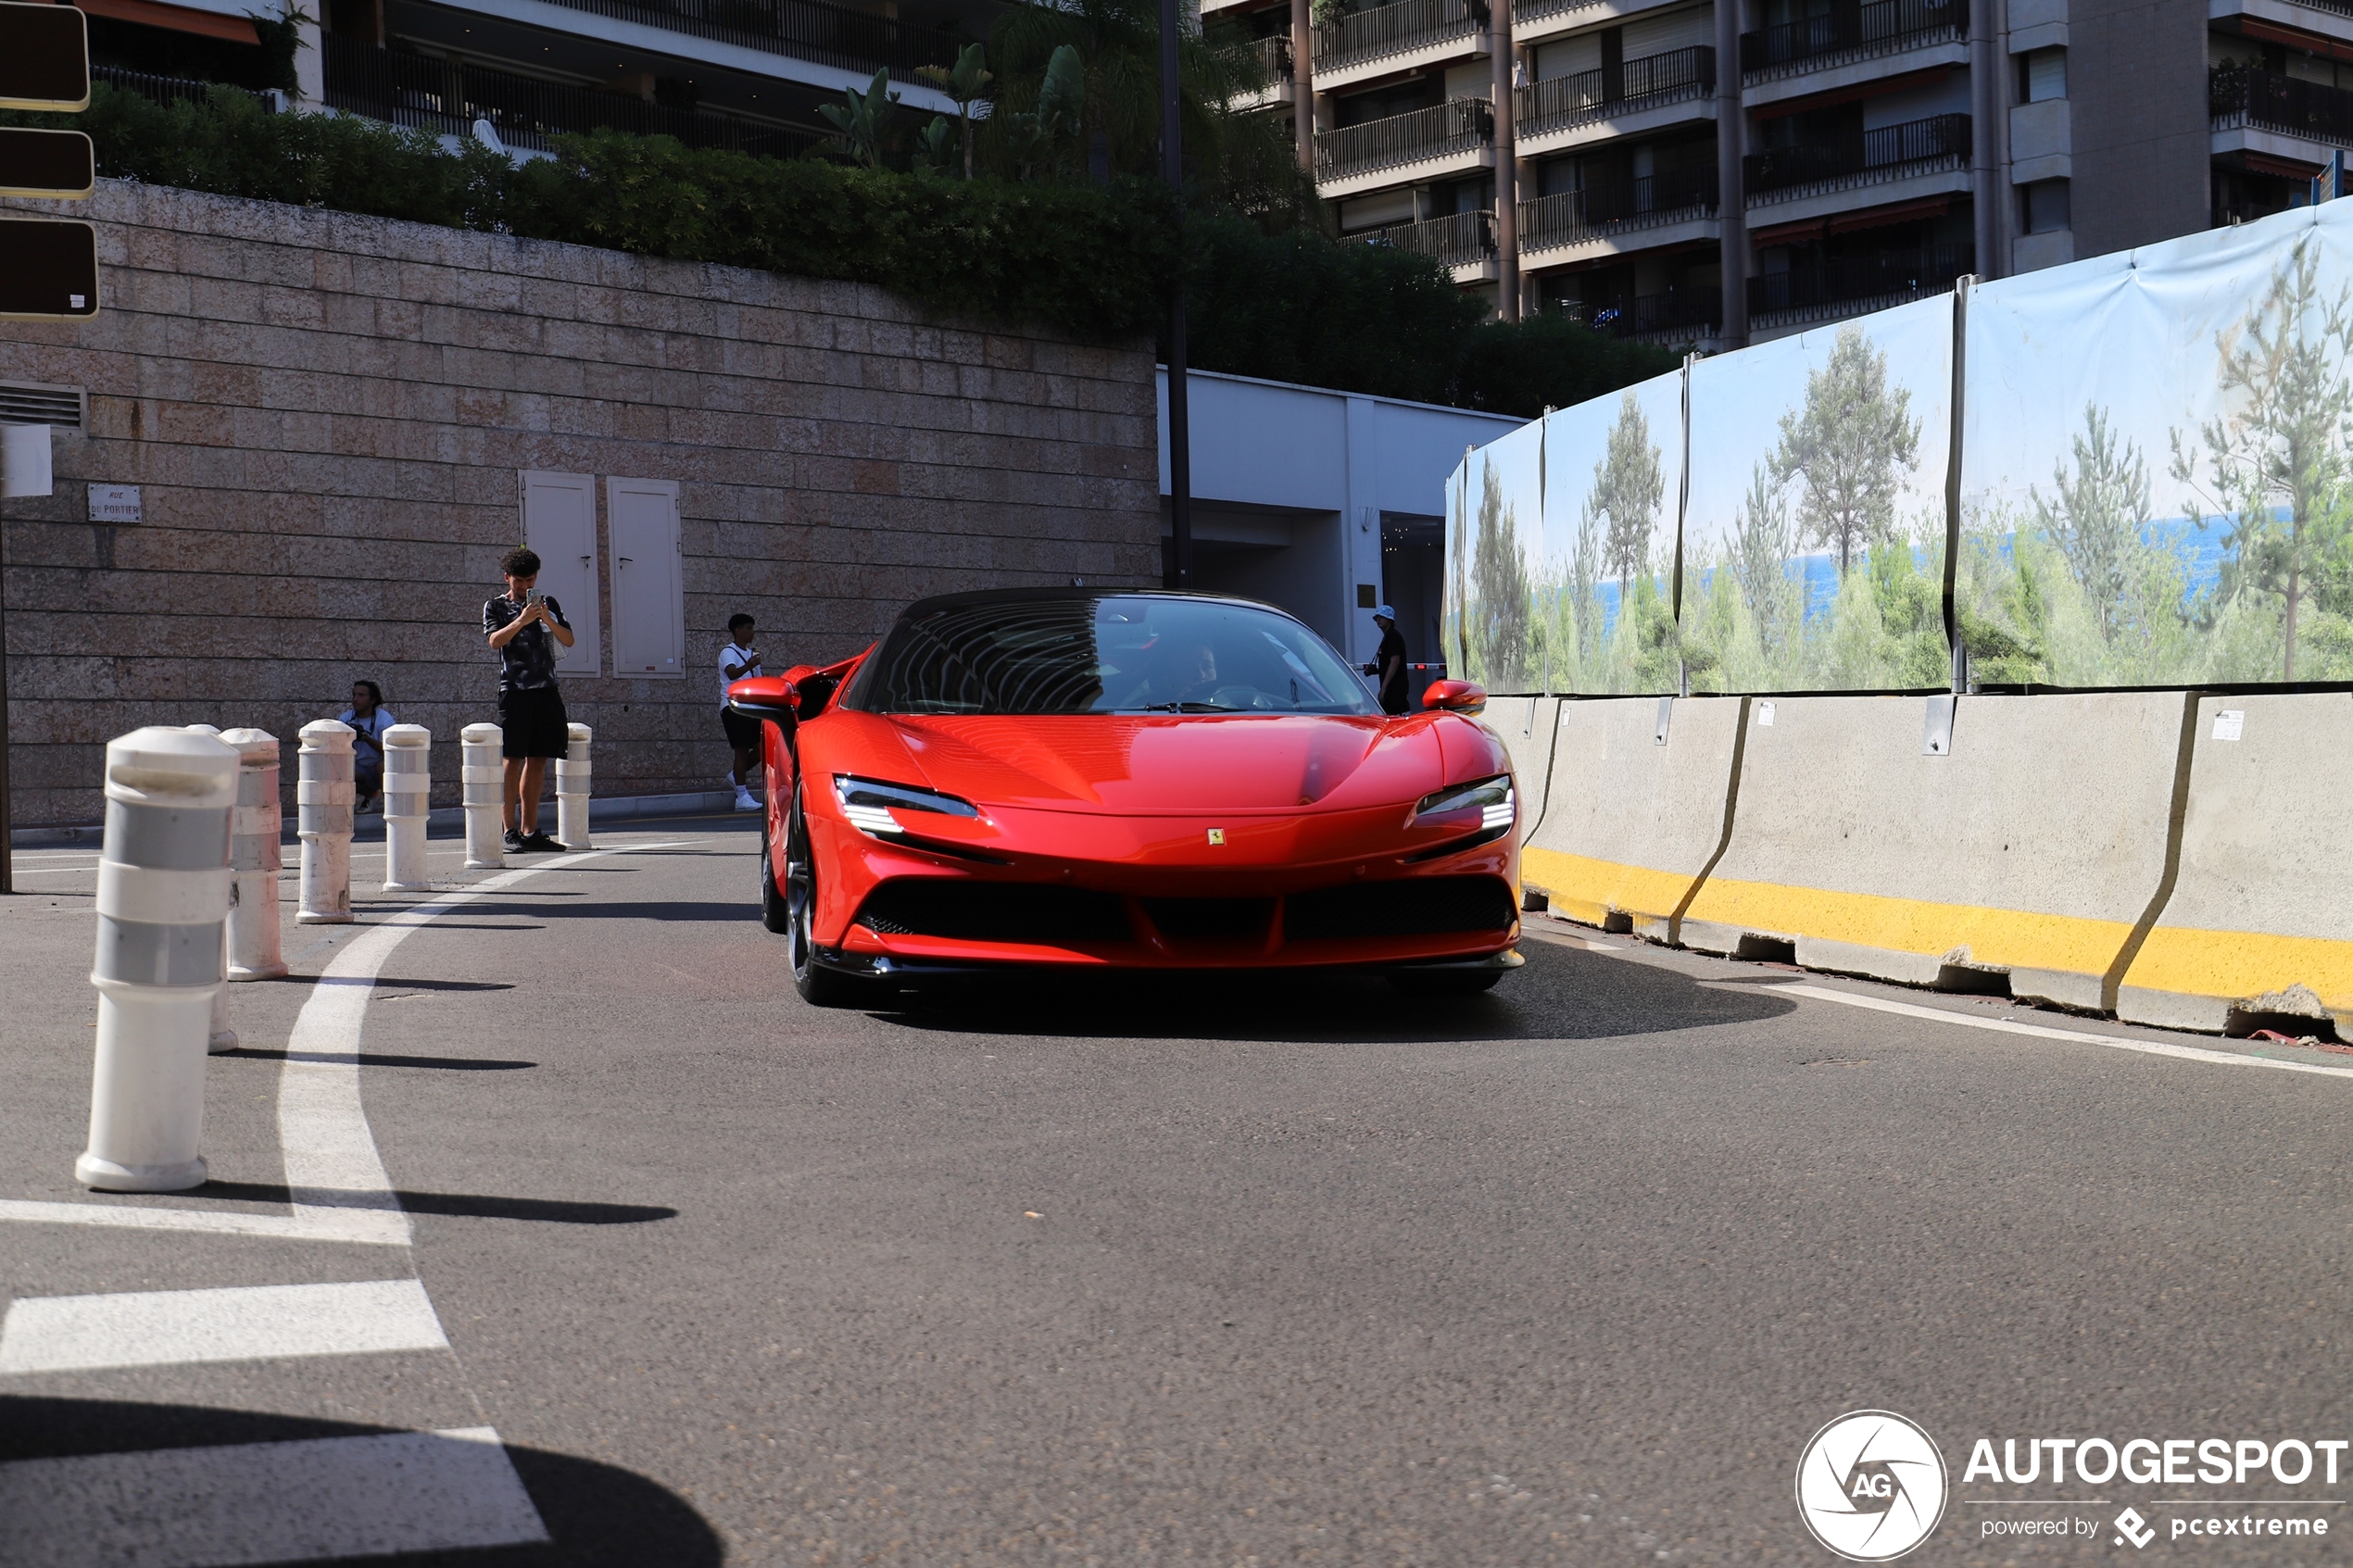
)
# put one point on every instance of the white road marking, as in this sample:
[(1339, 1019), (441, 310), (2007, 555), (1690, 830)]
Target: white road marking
[(366, 1228), (2043, 1032), (266, 1502), (239, 1324)]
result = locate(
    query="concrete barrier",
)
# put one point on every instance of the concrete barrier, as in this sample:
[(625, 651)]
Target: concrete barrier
[(323, 793), (481, 777), (1630, 821), (573, 773), (1525, 725), (2260, 921), (408, 791), (2035, 848)]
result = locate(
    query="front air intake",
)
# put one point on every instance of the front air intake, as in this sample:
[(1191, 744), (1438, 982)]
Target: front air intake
[(1029, 913), (1415, 907)]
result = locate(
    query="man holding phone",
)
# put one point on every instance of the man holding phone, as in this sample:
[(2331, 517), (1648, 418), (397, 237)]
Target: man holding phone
[(526, 627)]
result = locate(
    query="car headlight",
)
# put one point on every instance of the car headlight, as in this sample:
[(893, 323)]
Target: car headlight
[(868, 803), (1492, 797)]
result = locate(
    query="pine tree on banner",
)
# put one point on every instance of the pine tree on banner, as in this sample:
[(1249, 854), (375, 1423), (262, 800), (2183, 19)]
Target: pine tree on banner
[(1853, 444), (1760, 548), (2097, 516), (2284, 449), (1628, 486), (1498, 591)]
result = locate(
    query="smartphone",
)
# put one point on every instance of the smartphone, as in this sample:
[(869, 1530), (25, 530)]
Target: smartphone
[(532, 595)]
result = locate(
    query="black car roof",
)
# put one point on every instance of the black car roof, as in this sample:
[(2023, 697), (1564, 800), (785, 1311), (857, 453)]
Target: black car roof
[(1031, 595)]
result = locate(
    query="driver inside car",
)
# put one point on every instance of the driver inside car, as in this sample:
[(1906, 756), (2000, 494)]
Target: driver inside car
[(1204, 666)]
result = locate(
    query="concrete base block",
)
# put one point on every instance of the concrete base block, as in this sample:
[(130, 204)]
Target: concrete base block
[(1877, 963), (1707, 936), (2172, 1009), (2080, 992)]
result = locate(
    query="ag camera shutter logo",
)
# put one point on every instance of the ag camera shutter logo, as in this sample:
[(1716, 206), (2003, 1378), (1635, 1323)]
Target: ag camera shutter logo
[(1871, 1486)]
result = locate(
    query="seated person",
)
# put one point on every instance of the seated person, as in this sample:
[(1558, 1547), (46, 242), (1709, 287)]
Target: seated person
[(369, 719)]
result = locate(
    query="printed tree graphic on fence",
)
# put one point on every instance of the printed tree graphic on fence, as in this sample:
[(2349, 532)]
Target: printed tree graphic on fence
[(2282, 448), (1852, 444), (2096, 517), (1628, 486), (1499, 590), (1759, 550)]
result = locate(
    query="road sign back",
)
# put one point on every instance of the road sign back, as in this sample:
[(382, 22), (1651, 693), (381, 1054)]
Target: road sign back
[(48, 269), (46, 163), (44, 57)]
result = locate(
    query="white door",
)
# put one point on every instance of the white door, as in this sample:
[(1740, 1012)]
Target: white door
[(649, 604), (559, 526)]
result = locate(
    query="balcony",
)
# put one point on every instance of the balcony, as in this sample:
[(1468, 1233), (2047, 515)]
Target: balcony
[(1601, 212), (1849, 285), (1463, 239), (1851, 33), (813, 31), (1676, 316), (1460, 131), (446, 97), (1383, 33), (1266, 62), (1590, 97), (2245, 98), (1871, 157)]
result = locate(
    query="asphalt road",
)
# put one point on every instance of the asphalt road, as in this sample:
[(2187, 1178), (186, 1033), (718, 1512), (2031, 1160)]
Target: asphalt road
[(1202, 1272)]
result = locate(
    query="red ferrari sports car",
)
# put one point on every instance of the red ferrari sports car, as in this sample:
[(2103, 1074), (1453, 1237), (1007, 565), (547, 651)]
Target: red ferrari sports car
[(1078, 778)]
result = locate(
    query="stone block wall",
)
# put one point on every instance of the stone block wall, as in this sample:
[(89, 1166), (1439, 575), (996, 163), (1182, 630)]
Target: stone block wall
[(327, 415)]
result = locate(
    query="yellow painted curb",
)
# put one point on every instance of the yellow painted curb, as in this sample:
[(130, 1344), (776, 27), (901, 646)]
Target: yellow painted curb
[(1589, 889), (2235, 966)]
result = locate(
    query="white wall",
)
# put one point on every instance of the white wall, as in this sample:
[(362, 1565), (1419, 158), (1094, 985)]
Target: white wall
[(1301, 450)]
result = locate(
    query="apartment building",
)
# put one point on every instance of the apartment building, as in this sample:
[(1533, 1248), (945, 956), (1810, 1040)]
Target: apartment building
[(1734, 170), (735, 73)]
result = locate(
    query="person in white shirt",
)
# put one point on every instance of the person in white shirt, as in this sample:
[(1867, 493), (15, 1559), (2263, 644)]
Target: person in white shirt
[(369, 719), (738, 660)]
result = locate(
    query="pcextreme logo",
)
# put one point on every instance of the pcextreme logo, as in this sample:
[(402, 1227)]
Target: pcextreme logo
[(1871, 1486)]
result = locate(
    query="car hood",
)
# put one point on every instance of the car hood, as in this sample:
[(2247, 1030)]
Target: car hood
[(1158, 763)]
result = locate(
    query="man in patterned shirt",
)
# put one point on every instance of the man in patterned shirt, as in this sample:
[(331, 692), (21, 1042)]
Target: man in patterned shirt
[(525, 627)]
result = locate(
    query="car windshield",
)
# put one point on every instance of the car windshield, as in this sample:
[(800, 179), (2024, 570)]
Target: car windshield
[(1116, 653)]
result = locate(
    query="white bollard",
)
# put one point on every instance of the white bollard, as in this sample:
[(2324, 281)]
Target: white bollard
[(483, 778), (254, 860), (222, 1038), (322, 820), (571, 790), (163, 900), (408, 791)]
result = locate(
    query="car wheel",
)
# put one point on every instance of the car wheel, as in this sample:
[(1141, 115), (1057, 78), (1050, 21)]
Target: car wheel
[(1408, 983), (774, 913), (818, 985)]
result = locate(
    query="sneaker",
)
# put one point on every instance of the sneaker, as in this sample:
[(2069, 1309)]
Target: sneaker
[(540, 844), (744, 799), (516, 842)]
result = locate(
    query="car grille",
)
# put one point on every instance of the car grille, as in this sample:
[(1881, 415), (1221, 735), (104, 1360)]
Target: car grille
[(994, 911), (1209, 919), (1416, 907)]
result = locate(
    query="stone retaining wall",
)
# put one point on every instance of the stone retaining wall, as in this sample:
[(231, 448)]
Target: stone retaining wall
[(326, 415)]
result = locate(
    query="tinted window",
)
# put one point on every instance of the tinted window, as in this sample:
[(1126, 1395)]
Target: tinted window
[(1125, 653)]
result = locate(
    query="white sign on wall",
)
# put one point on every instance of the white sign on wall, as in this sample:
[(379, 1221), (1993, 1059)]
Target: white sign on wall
[(114, 503)]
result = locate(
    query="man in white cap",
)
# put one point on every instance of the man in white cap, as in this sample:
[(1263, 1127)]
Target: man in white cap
[(1389, 662)]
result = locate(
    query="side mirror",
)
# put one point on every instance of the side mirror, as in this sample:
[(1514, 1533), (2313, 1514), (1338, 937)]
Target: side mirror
[(1455, 697), (765, 696)]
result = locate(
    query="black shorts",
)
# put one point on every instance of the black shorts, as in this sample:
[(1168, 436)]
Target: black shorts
[(534, 723), (743, 730)]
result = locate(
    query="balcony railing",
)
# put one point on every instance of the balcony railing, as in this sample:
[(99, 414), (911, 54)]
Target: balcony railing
[(1646, 84), (1378, 32), (1462, 238), (446, 97), (801, 29), (1544, 10), (1266, 59), (1842, 285), (175, 89), (2242, 97), (1682, 314), (1465, 125), (1573, 217), (1852, 32), (1868, 157)]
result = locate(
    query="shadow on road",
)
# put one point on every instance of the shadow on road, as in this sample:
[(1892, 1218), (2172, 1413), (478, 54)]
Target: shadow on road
[(597, 1513), (463, 1205), (1562, 994), (370, 1058)]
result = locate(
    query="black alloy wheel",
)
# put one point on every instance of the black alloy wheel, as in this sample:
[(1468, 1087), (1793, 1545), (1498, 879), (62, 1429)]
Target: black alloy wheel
[(818, 985)]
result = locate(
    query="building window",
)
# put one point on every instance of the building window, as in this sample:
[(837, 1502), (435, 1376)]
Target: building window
[(2042, 73), (2044, 205)]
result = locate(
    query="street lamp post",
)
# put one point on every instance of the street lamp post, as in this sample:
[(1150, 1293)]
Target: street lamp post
[(1180, 438)]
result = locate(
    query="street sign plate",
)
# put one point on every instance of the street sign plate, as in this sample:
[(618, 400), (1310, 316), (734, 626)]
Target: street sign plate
[(46, 163), (44, 57), (48, 269)]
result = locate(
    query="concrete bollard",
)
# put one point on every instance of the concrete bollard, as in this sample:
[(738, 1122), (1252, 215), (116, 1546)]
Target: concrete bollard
[(322, 820), (571, 790), (163, 902), (408, 792), (254, 860), (483, 778), (222, 1038)]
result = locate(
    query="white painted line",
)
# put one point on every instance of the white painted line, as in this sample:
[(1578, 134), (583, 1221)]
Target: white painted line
[(266, 1502), (2041, 1032), (240, 1324), (360, 1227)]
